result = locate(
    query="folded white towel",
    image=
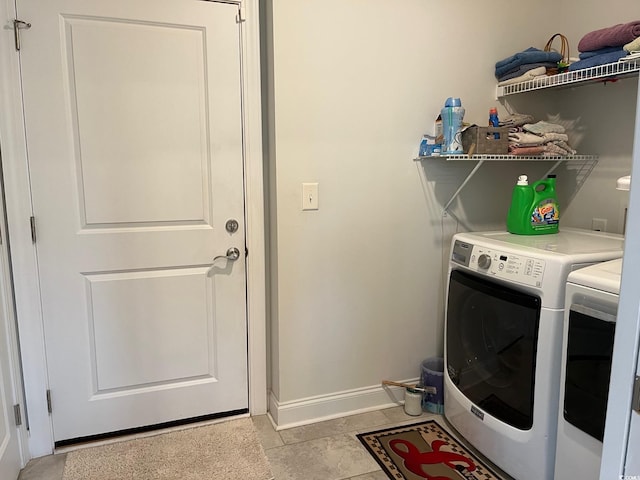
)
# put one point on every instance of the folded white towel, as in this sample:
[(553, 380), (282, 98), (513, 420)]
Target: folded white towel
[(633, 45), (553, 149), (555, 137), (543, 127), (516, 120), (528, 75), (565, 146), (524, 139), (559, 148)]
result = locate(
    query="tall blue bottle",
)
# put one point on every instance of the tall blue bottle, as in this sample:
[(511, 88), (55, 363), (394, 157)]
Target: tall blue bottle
[(452, 115)]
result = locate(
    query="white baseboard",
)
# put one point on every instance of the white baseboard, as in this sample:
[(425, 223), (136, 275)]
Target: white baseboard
[(340, 404)]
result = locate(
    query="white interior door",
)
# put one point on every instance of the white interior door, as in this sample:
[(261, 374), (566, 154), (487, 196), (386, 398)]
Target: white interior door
[(133, 120)]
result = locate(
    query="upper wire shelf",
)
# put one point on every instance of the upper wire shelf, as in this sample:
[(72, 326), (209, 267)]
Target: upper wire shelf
[(617, 69)]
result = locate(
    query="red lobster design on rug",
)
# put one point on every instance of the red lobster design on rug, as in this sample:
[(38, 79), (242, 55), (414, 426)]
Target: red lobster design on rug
[(414, 459), (425, 450)]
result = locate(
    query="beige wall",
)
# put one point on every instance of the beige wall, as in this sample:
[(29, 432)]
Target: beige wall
[(358, 286), (607, 111)]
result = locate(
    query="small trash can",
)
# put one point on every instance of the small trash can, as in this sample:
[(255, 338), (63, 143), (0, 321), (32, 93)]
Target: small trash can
[(432, 376)]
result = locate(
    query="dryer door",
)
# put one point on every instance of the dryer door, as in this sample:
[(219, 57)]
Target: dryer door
[(491, 341), (588, 367)]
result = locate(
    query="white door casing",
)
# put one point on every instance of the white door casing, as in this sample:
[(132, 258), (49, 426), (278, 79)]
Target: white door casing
[(620, 457), (10, 447), (168, 147), (13, 439)]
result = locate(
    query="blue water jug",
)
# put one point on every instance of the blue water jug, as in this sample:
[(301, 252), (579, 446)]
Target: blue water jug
[(452, 115)]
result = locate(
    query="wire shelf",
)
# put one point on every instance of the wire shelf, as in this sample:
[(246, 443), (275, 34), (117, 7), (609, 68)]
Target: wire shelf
[(509, 158), (587, 160), (609, 70)]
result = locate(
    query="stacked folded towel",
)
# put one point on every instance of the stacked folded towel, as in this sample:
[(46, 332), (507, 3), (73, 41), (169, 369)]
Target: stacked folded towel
[(607, 45), (540, 138), (515, 120), (633, 46), (521, 64), (528, 75)]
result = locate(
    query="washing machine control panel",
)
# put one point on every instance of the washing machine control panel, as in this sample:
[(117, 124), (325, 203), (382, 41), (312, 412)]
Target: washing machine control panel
[(508, 266)]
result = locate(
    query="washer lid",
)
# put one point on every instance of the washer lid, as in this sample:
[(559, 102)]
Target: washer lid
[(581, 244), (601, 276)]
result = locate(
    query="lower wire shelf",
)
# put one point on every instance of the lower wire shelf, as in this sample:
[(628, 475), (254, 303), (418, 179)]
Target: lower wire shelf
[(480, 159)]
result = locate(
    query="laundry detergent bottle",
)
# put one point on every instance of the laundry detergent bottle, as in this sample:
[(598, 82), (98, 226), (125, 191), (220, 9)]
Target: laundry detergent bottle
[(452, 115), (534, 208)]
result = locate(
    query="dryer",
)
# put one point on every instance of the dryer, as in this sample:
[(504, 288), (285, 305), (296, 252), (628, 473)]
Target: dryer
[(587, 348), (503, 339)]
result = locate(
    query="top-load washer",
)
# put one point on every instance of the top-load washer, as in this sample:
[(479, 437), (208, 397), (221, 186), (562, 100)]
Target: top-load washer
[(591, 308), (503, 339)]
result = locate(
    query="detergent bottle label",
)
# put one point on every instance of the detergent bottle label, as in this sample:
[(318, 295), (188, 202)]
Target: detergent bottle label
[(545, 214)]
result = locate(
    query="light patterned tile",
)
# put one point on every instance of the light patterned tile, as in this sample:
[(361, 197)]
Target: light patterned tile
[(333, 427), (44, 468), (267, 435), (397, 415), (329, 458)]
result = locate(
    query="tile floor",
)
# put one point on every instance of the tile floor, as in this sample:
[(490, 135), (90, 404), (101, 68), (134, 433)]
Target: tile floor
[(326, 450)]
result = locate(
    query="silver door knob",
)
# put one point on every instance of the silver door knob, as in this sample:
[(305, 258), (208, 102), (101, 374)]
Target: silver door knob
[(232, 254)]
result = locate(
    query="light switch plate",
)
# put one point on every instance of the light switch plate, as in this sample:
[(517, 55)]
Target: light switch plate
[(309, 196)]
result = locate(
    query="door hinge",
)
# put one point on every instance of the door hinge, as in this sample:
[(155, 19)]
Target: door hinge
[(17, 414), (635, 401), (242, 14), (32, 222), (17, 26), (49, 408)]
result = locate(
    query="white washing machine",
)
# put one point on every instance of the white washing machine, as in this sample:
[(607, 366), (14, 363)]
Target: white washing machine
[(503, 339), (587, 348)]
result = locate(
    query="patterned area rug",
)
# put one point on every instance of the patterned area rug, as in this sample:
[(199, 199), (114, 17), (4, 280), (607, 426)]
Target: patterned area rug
[(423, 450)]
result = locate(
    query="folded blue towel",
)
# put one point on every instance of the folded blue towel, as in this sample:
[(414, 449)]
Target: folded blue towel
[(602, 51), (603, 59), (530, 55)]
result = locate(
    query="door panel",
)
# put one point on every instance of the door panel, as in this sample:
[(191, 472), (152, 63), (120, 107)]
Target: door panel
[(140, 316), (134, 114), (133, 118)]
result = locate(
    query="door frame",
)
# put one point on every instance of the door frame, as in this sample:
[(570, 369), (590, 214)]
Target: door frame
[(11, 132), (9, 336), (624, 365), (24, 255)]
